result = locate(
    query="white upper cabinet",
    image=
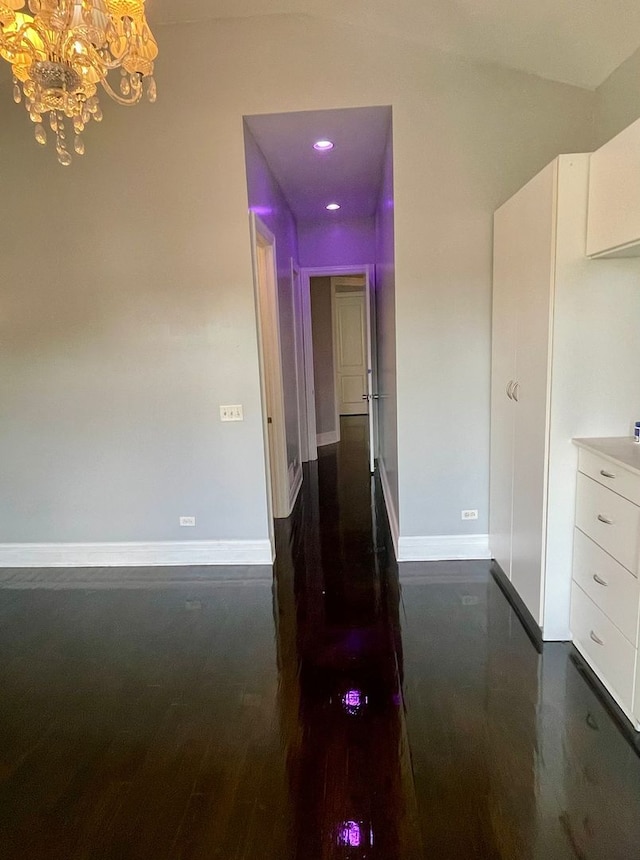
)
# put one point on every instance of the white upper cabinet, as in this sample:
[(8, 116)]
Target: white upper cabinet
[(613, 227)]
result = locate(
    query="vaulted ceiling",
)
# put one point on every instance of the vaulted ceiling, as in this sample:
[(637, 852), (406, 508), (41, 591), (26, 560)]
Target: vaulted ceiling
[(574, 41)]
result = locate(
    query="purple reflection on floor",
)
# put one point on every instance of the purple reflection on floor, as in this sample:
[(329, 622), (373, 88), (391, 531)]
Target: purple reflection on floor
[(353, 701), (350, 834)]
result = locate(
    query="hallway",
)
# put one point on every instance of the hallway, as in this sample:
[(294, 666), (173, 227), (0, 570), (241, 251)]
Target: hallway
[(162, 714)]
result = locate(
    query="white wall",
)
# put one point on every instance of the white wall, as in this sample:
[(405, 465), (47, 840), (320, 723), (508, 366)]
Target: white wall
[(134, 317)]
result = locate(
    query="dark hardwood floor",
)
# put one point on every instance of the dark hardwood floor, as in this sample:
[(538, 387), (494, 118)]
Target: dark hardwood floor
[(336, 714)]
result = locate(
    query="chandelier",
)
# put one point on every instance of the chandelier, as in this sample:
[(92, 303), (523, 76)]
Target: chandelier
[(66, 48)]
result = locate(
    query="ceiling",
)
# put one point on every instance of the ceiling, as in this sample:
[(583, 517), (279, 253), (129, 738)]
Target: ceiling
[(575, 41), (349, 174)]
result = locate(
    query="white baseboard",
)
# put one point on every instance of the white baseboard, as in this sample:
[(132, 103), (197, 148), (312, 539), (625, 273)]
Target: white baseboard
[(327, 438), (443, 547), (163, 553), (392, 514)]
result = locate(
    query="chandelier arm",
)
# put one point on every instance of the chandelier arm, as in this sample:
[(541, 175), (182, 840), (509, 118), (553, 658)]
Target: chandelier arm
[(136, 95), (115, 63), (17, 43)]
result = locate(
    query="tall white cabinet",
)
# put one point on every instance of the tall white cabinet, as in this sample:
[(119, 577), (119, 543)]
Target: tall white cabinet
[(563, 365)]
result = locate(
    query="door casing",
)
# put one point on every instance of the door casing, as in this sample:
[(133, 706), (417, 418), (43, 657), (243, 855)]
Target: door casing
[(307, 273), (263, 246)]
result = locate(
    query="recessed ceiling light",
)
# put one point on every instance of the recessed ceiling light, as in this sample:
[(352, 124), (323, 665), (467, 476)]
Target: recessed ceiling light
[(323, 145), (333, 206)]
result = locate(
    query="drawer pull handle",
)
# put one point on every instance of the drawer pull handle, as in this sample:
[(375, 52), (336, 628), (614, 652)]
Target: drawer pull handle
[(596, 639), (606, 474), (599, 580), (605, 520)]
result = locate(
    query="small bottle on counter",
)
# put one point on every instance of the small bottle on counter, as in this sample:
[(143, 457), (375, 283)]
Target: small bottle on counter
[(636, 432)]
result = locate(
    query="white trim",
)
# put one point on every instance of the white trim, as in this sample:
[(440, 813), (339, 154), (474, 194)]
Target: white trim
[(309, 379), (392, 514), (301, 376), (443, 547), (306, 273), (263, 249), (295, 484), (372, 380), (137, 554), (336, 393), (329, 438)]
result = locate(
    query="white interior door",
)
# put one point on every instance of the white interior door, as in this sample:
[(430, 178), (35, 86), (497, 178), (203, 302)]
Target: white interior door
[(350, 345), (506, 271)]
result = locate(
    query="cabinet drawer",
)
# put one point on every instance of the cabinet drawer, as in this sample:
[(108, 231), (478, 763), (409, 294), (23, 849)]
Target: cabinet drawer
[(608, 519), (611, 587), (611, 475), (611, 656)]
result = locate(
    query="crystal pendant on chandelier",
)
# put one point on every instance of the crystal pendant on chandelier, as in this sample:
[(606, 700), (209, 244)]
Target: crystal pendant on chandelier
[(65, 49)]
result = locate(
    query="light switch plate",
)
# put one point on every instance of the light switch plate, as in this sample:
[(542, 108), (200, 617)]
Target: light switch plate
[(231, 413)]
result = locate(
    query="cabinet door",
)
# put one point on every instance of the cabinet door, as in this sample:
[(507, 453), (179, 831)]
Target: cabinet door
[(536, 218), (503, 375), (613, 224)]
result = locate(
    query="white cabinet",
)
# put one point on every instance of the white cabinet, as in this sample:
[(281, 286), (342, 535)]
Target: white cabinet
[(614, 196), (605, 596), (563, 365)]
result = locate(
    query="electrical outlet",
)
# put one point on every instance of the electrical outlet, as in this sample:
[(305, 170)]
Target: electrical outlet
[(187, 521), (469, 515), (231, 413)]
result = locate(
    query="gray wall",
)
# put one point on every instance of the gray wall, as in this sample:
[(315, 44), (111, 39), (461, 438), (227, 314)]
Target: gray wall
[(618, 100), (128, 312), (323, 363)]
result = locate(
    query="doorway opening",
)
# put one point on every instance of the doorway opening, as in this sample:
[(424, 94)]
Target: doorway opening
[(342, 351), (322, 214)]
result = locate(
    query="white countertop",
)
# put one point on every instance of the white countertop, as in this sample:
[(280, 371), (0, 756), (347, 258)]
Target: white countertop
[(618, 449)]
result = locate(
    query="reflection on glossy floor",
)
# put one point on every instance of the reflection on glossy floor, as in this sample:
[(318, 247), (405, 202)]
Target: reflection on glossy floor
[(333, 716)]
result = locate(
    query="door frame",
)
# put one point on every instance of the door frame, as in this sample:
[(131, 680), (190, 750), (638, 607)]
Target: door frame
[(308, 272), (271, 382), (302, 381)]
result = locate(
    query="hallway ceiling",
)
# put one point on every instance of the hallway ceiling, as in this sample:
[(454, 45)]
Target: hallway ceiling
[(350, 174), (575, 41)]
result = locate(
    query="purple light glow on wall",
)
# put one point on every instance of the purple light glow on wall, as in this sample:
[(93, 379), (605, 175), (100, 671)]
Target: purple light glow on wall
[(262, 210)]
